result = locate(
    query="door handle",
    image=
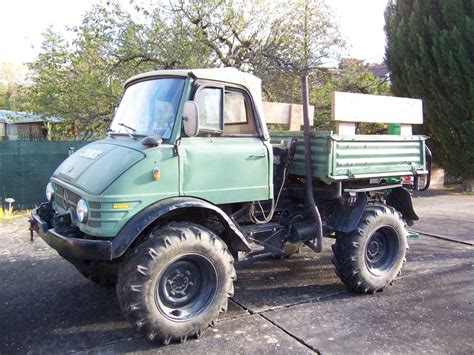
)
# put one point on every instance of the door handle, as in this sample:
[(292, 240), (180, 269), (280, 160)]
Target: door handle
[(256, 156)]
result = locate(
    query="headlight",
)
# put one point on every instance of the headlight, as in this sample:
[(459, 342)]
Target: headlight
[(49, 191), (82, 211)]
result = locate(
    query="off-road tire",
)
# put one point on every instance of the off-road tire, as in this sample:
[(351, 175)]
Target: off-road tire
[(101, 273), (163, 266), (371, 257)]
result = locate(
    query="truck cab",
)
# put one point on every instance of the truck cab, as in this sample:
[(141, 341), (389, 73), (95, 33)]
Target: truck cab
[(122, 174)]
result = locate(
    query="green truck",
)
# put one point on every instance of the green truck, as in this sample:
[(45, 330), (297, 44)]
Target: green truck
[(189, 181)]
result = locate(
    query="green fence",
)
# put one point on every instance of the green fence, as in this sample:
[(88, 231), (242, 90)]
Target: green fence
[(26, 166)]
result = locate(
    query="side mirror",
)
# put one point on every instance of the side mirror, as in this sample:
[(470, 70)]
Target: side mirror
[(191, 118)]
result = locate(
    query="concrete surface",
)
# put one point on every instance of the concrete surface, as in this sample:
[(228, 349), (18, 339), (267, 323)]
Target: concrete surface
[(447, 214), (296, 305)]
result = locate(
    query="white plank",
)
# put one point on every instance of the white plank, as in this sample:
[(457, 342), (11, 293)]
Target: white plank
[(284, 113), (348, 107), (277, 112)]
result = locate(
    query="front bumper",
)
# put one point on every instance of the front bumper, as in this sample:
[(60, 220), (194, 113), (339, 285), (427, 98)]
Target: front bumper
[(76, 248)]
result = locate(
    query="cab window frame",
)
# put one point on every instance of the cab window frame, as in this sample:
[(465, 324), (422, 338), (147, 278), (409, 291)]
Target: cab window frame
[(211, 131), (257, 124), (247, 108)]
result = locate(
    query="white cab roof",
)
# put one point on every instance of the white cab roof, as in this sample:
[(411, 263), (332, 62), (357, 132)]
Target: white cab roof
[(226, 75)]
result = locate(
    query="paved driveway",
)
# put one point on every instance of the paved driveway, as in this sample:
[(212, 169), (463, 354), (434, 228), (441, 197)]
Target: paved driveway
[(280, 306)]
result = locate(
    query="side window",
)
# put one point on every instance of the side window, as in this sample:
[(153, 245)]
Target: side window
[(238, 118), (210, 100)]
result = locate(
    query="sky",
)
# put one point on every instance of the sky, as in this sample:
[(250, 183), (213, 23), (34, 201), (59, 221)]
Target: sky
[(23, 21), (361, 23)]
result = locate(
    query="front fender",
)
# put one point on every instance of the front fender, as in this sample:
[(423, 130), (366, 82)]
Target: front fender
[(145, 218)]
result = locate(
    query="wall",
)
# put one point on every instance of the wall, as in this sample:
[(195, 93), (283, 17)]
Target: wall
[(25, 168)]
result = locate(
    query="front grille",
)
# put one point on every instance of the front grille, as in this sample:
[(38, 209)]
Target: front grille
[(94, 205), (95, 214), (95, 224), (66, 198)]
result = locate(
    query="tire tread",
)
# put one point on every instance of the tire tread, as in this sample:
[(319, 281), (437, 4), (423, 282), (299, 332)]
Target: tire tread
[(347, 246), (133, 275)]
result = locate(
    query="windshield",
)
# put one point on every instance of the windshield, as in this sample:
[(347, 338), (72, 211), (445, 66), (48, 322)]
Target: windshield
[(149, 108)]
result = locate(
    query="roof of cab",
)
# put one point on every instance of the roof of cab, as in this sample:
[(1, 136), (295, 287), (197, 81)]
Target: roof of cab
[(226, 75)]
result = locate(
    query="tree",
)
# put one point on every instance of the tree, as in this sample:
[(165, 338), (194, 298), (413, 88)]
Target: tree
[(82, 81), (47, 94), (430, 55), (12, 92), (276, 40)]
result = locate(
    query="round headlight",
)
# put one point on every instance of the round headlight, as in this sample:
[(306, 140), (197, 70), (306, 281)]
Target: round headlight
[(49, 191), (82, 211)]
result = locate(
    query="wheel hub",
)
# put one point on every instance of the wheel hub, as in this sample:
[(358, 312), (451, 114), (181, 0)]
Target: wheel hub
[(179, 283), (376, 249), (381, 250), (186, 287)]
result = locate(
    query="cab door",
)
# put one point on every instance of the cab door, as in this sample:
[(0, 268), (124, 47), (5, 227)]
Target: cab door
[(229, 160)]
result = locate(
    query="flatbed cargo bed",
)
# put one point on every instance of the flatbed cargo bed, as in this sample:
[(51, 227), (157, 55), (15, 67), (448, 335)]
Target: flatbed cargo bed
[(356, 157)]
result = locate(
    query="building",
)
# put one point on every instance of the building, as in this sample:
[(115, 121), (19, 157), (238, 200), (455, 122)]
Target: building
[(24, 126), (379, 70)]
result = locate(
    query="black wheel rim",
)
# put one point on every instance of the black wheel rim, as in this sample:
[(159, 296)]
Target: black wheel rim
[(186, 287), (382, 250)]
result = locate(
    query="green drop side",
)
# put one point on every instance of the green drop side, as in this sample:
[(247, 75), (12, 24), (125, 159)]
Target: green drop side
[(358, 157)]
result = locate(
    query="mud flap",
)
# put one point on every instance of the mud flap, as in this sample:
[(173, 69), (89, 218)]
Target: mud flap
[(346, 218), (400, 199)]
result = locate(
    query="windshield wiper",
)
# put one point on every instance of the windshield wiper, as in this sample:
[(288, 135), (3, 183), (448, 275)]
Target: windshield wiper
[(128, 128)]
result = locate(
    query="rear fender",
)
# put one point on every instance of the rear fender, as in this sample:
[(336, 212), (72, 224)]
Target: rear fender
[(400, 199), (346, 218)]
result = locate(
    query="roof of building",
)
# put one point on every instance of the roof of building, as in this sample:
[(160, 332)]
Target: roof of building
[(14, 117), (379, 70)]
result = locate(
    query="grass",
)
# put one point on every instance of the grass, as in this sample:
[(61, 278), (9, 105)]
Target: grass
[(10, 213)]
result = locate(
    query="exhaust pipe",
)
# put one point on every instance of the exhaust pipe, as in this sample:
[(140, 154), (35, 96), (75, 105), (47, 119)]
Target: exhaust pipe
[(317, 244)]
